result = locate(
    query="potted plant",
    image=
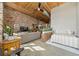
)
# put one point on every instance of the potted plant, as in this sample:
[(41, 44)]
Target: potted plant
[(7, 32)]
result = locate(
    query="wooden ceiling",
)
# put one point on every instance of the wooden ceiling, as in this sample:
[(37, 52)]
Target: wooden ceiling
[(29, 8)]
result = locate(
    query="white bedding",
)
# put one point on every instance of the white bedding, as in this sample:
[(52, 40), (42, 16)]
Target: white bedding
[(68, 40)]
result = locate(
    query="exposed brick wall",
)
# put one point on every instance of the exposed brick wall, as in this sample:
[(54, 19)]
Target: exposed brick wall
[(12, 17), (1, 20)]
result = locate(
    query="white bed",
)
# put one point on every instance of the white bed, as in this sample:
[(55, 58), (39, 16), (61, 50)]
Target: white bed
[(63, 39)]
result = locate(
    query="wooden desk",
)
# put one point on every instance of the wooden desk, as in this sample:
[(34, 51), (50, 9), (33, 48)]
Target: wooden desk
[(0, 44), (8, 44)]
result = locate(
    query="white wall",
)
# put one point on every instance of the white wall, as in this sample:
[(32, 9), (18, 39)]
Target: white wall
[(63, 18), (77, 22)]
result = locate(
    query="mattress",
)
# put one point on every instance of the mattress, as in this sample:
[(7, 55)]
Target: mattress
[(68, 40)]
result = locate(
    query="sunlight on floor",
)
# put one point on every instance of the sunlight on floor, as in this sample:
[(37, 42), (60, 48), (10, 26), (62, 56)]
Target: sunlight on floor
[(32, 44), (33, 47), (28, 48), (38, 48)]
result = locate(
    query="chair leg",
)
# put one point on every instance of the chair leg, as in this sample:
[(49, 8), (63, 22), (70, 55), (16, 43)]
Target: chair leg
[(18, 53)]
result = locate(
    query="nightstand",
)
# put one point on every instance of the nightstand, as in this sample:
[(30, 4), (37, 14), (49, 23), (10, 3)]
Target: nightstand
[(8, 45)]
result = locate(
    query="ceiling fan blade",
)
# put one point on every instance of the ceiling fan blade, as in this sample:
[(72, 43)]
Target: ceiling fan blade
[(46, 13), (39, 5), (41, 10)]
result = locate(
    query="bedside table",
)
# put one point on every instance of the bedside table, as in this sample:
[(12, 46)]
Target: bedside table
[(46, 36), (8, 45)]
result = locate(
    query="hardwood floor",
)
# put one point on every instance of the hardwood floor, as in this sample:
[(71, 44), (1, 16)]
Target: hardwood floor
[(39, 48)]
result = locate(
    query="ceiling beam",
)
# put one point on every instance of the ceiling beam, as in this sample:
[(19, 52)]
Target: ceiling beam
[(29, 4), (22, 10), (18, 8), (45, 6)]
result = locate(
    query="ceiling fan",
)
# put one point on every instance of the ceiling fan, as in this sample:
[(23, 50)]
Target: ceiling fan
[(41, 9)]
